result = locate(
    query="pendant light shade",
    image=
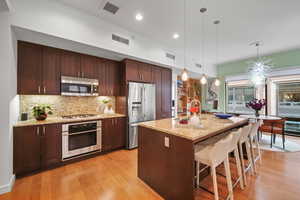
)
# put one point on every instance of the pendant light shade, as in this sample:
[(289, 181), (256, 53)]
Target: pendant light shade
[(203, 79), (217, 82), (184, 75), (217, 22)]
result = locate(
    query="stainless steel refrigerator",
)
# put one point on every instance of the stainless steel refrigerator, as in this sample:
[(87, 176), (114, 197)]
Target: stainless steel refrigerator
[(141, 108)]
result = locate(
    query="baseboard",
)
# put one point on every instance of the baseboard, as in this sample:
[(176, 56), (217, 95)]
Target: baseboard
[(8, 187)]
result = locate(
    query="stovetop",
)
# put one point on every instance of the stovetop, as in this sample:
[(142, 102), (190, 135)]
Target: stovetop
[(78, 116)]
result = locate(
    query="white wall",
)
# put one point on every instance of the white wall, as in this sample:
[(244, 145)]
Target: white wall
[(59, 20), (8, 101)]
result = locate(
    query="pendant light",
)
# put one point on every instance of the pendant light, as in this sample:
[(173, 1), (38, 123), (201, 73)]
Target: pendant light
[(184, 74), (259, 68), (217, 22), (203, 79)]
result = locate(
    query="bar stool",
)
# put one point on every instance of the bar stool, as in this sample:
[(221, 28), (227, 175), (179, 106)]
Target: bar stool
[(245, 139), (214, 155), (254, 141)]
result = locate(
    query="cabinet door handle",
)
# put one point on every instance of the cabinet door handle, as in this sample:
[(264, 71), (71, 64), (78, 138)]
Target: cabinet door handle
[(44, 90), (44, 130), (39, 89), (38, 131)]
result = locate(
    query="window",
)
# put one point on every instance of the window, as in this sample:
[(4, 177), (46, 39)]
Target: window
[(237, 97), (288, 99)]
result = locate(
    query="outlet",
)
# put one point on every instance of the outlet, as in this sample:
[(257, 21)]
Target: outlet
[(167, 142)]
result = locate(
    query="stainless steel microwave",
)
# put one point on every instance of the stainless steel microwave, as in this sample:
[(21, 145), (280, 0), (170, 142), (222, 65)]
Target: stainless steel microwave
[(74, 86)]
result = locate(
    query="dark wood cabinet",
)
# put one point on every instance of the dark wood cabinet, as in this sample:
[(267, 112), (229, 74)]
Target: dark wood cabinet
[(145, 71), (132, 70), (27, 154), (51, 71), (51, 145), (162, 79), (79, 65), (109, 75), (38, 69), (137, 71), (89, 67), (166, 97), (29, 68), (70, 64), (114, 133), (157, 80), (36, 147)]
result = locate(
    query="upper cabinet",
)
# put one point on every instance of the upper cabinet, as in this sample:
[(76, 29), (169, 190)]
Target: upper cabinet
[(137, 71), (166, 91), (78, 65), (70, 64), (38, 69), (89, 67), (109, 75), (162, 79), (157, 79), (51, 71)]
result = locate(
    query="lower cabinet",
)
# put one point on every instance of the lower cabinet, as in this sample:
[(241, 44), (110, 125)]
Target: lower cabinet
[(36, 147), (114, 133)]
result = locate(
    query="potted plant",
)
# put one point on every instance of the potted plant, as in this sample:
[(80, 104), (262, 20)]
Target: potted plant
[(108, 106), (256, 105), (41, 111)]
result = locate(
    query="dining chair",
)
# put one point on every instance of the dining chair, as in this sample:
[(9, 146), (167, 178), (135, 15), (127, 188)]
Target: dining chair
[(275, 127)]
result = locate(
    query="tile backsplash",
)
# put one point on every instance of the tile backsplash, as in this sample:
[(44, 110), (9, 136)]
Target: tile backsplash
[(63, 105)]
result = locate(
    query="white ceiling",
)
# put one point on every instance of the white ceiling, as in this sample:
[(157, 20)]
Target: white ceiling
[(274, 22)]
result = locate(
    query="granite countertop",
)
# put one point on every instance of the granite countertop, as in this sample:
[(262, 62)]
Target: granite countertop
[(60, 120), (211, 126)]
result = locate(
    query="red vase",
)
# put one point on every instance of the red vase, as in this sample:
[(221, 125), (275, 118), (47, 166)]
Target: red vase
[(41, 117)]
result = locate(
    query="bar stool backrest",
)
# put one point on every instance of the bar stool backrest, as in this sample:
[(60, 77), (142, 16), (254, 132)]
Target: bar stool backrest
[(246, 131), (220, 150), (236, 135), (255, 127)]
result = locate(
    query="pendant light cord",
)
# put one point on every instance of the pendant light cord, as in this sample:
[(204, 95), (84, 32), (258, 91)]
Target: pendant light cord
[(202, 42), (184, 29)]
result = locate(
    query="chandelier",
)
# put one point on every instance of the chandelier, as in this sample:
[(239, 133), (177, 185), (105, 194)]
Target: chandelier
[(259, 68)]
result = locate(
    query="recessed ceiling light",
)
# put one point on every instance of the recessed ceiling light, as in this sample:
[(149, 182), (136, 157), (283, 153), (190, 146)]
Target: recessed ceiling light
[(139, 17), (175, 35)]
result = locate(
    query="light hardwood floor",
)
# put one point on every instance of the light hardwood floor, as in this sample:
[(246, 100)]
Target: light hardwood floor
[(114, 177)]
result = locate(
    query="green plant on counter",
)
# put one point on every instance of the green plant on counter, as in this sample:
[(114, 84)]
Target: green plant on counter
[(41, 111), (105, 101)]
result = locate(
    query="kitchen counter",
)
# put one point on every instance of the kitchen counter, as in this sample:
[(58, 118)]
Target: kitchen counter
[(166, 153), (60, 120), (211, 126)]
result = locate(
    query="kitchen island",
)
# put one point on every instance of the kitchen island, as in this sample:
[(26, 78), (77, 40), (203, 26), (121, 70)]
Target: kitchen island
[(166, 153)]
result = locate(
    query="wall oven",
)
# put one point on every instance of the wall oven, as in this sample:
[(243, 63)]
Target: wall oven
[(81, 138), (74, 86)]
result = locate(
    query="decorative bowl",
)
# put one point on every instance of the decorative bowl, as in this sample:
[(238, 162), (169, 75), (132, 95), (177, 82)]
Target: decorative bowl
[(223, 115)]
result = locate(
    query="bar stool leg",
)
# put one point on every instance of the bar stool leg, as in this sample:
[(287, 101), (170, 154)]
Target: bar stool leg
[(249, 156), (243, 163), (198, 173), (258, 149), (252, 154), (215, 183), (228, 178), (238, 165)]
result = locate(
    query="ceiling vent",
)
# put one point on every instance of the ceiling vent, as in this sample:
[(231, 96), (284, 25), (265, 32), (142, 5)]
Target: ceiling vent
[(120, 39), (198, 65), (109, 7), (170, 56)]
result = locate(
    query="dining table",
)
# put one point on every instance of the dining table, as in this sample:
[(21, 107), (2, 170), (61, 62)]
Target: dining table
[(261, 117)]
